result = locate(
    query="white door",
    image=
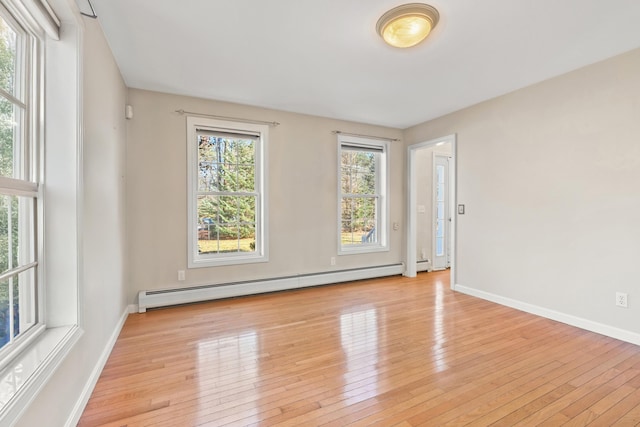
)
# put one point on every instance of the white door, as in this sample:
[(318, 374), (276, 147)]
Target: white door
[(442, 213)]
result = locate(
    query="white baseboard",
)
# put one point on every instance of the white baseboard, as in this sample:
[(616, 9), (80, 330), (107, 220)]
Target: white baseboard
[(589, 325), (168, 297), (78, 408)]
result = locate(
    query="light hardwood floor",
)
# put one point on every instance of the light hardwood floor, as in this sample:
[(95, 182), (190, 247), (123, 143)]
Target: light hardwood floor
[(393, 351)]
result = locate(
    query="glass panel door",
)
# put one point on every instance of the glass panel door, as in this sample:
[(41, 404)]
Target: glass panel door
[(441, 212)]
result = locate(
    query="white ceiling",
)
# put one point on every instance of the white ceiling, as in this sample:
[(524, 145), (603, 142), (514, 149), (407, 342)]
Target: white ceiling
[(323, 57)]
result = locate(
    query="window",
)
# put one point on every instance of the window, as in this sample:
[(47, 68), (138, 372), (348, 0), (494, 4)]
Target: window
[(362, 195), (19, 195), (39, 305), (227, 196)]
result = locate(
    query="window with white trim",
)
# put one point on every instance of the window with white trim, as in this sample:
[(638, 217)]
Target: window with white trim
[(227, 192), (19, 193), (362, 194), (42, 326)]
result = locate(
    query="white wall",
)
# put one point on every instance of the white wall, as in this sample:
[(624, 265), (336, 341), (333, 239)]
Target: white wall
[(302, 188), (549, 175), (102, 289)]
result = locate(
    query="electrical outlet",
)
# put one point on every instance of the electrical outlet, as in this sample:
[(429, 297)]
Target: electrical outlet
[(333, 260), (180, 275), (621, 299)]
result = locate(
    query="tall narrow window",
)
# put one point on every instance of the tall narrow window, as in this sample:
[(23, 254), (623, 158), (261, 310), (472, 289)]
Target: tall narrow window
[(227, 192), (38, 307), (362, 195), (18, 185)]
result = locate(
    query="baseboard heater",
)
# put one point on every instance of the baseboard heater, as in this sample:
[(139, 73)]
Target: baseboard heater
[(423, 266), (168, 297)]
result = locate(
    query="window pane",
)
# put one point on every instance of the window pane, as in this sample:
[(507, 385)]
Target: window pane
[(347, 236), (440, 228), (365, 210), (10, 118), (245, 152), (366, 214), (207, 164), (208, 176), (12, 148), (208, 207), (358, 170), (217, 177), (17, 305), (440, 173), (16, 232), (439, 246), (7, 311), (228, 210), (229, 238), (228, 178), (214, 161), (440, 211), (248, 239), (345, 179), (7, 57), (226, 224), (247, 209), (246, 178), (226, 163), (359, 220), (347, 208), (208, 239), (367, 180), (440, 192)]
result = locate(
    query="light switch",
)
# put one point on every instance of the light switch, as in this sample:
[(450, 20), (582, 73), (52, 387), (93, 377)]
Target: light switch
[(460, 209), (421, 209)]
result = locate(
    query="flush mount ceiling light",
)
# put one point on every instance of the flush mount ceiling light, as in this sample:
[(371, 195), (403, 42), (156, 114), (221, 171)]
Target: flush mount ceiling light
[(408, 24)]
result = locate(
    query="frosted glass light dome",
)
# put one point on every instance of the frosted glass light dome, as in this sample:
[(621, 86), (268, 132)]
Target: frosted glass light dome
[(408, 24)]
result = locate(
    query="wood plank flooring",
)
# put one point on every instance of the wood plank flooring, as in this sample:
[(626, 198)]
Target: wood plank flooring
[(384, 352)]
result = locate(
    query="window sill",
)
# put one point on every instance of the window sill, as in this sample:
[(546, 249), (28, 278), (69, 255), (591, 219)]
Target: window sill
[(23, 378), (354, 250), (201, 263)]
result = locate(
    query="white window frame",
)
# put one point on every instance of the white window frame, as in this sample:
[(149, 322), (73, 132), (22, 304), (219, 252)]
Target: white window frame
[(57, 119), (27, 183), (382, 184), (261, 253)]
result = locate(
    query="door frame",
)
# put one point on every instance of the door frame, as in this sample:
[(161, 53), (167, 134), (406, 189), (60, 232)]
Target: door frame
[(411, 257)]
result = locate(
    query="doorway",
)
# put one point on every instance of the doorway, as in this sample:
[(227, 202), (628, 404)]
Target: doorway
[(441, 202), (417, 211)]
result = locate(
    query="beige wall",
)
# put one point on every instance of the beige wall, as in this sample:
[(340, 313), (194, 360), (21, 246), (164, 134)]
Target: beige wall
[(302, 194), (102, 287), (549, 175)]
